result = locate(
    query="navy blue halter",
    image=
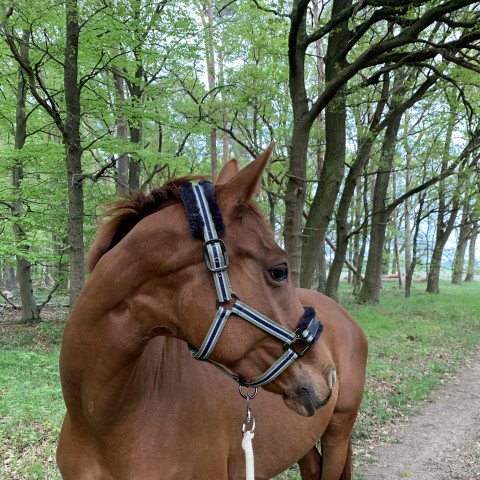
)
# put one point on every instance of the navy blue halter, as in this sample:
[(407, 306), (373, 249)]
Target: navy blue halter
[(205, 222)]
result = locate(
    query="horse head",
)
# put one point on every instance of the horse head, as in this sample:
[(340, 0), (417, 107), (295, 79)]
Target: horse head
[(260, 278), (168, 290)]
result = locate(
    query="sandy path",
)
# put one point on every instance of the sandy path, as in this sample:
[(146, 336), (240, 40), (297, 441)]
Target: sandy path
[(441, 442)]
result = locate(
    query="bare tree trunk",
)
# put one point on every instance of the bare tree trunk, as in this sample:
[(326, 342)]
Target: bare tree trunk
[(350, 259), (396, 252), (30, 312), (410, 268), (331, 176), (408, 183), (370, 291), (74, 152), (122, 132), (295, 193), (444, 227), (357, 285), (296, 183), (471, 255), (320, 64), (341, 218), (462, 242), (134, 170), (221, 78), (356, 238), (207, 22)]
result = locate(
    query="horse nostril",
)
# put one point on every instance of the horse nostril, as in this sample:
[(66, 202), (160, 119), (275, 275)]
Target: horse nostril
[(331, 378)]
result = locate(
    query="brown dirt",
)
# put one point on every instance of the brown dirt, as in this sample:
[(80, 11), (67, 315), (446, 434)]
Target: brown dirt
[(441, 442)]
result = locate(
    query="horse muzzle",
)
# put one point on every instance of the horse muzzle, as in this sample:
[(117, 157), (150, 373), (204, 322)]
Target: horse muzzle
[(308, 398)]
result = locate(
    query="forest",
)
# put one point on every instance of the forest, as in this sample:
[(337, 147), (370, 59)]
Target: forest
[(373, 105)]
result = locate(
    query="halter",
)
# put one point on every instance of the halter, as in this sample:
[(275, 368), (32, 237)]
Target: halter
[(205, 219)]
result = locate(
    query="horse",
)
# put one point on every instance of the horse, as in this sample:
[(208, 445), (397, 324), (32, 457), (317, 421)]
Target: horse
[(138, 406)]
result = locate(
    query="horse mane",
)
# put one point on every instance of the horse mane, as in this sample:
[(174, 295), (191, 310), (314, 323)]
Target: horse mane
[(121, 216)]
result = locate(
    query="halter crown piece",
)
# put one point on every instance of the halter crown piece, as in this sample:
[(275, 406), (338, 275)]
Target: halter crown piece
[(206, 223)]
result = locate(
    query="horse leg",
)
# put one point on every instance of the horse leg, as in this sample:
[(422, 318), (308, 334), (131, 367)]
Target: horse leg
[(337, 448), (337, 461), (311, 465)]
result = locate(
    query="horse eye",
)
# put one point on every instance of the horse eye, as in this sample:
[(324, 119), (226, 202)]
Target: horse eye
[(279, 273)]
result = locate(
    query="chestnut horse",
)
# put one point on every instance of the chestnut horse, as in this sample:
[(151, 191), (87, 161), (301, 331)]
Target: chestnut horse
[(138, 405)]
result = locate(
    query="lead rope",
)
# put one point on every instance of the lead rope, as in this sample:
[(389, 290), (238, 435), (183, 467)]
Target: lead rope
[(248, 429)]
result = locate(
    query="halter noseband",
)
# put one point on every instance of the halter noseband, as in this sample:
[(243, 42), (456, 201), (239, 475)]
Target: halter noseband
[(205, 220)]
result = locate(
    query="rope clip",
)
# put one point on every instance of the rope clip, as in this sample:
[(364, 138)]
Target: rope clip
[(249, 422)]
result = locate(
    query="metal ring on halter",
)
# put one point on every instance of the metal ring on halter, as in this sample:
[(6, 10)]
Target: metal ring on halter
[(246, 396)]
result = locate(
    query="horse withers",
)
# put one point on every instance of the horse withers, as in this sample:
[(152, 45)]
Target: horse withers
[(140, 407)]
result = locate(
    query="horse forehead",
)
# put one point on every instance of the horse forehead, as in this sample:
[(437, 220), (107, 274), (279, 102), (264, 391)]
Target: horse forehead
[(251, 233)]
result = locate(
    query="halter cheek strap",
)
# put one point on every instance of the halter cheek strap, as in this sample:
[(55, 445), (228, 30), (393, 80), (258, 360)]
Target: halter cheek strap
[(204, 216)]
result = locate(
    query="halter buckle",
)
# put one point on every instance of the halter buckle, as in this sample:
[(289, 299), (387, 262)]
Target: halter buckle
[(298, 338), (223, 252)]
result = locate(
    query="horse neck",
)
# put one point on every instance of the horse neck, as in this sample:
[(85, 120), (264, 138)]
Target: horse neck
[(105, 338)]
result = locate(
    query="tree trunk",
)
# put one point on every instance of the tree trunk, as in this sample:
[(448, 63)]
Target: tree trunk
[(30, 312), (122, 132), (302, 123), (463, 237), (386, 251), (73, 152), (396, 251), (295, 196), (331, 175), (444, 227), (471, 255), (341, 218), (207, 22), (135, 137), (221, 75), (408, 183), (357, 279), (410, 268), (320, 64), (370, 291)]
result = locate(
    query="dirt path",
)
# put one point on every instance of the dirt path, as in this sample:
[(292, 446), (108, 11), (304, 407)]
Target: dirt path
[(441, 442)]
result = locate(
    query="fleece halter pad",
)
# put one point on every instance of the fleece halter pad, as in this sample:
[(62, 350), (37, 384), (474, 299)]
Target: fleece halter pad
[(205, 221)]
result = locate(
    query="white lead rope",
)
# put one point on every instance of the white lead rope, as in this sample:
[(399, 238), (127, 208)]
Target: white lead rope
[(247, 446), (247, 430)]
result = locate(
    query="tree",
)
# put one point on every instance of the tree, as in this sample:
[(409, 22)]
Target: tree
[(68, 123), (465, 232), (30, 311), (399, 43), (471, 254), (370, 290)]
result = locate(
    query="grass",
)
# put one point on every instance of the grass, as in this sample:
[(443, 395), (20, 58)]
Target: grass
[(31, 405), (414, 344)]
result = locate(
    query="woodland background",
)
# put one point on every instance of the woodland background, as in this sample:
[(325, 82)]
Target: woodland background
[(374, 106)]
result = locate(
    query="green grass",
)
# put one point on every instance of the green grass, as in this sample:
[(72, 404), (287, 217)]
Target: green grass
[(31, 405), (413, 344)]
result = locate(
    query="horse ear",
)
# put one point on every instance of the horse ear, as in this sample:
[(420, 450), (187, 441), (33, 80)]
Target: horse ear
[(229, 170), (239, 189)]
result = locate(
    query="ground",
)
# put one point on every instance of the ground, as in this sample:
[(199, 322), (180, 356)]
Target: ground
[(441, 441)]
